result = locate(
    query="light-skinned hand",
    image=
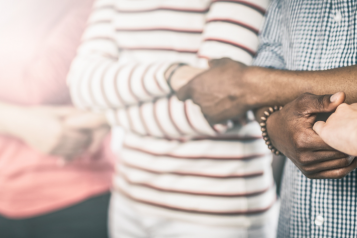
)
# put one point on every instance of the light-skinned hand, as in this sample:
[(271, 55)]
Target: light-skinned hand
[(340, 129), (44, 130)]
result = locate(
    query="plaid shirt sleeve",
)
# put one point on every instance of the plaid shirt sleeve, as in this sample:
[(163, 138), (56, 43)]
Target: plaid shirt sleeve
[(270, 53)]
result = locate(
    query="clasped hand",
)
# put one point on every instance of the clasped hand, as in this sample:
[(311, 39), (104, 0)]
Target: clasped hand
[(291, 132), (224, 92), (63, 131)]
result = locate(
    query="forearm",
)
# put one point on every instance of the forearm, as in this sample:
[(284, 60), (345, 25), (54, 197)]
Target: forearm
[(12, 119), (278, 87), (101, 83), (163, 118)]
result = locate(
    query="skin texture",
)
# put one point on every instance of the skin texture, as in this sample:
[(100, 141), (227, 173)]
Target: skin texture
[(229, 89), (54, 130), (340, 129), (291, 132), (212, 91), (182, 75)]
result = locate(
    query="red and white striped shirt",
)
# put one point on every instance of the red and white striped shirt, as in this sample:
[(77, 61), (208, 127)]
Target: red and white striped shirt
[(173, 162)]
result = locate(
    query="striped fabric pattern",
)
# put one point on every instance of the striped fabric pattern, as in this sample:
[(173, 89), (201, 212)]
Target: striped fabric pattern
[(313, 35), (173, 162)]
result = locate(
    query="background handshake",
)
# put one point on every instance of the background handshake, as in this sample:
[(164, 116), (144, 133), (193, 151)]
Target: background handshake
[(64, 132)]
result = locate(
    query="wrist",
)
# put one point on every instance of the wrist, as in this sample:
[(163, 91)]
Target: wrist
[(183, 75), (24, 122), (169, 70), (13, 119), (255, 77)]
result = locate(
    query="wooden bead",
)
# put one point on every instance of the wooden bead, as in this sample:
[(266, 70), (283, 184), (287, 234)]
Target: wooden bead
[(263, 128)]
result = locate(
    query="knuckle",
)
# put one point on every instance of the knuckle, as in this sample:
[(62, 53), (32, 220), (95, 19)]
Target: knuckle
[(320, 102), (225, 60), (304, 160), (305, 96), (303, 100), (339, 174), (309, 170), (308, 175), (345, 162), (299, 142)]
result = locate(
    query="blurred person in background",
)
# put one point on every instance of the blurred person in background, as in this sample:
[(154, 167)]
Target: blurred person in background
[(55, 175), (178, 176)]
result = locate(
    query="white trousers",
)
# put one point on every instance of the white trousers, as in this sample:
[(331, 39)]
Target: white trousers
[(126, 222)]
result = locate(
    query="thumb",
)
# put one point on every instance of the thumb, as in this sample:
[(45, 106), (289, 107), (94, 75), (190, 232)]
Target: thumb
[(85, 121), (213, 62), (184, 93), (319, 126), (64, 111), (324, 103)]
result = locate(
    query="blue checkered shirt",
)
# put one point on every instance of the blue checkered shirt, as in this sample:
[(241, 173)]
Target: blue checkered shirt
[(313, 35)]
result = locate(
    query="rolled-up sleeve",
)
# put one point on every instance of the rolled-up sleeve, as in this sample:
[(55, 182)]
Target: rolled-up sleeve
[(270, 52)]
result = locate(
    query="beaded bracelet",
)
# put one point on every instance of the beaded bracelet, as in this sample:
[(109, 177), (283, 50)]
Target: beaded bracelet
[(263, 126), (179, 65)]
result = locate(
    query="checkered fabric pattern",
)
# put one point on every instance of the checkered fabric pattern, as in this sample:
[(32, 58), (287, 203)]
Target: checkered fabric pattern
[(313, 35)]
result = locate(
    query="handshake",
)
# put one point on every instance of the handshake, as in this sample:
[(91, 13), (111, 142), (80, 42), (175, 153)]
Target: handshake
[(64, 132)]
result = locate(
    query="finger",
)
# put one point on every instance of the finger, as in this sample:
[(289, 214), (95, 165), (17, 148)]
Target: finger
[(69, 153), (64, 111), (77, 145), (217, 62), (329, 165), (97, 140), (322, 103), (72, 143), (213, 62), (184, 93), (312, 158), (336, 173), (311, 142), (319, 126), (86, 121)]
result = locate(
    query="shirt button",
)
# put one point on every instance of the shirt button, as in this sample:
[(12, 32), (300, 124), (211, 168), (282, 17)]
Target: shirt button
[(319, 220), (338, 16)]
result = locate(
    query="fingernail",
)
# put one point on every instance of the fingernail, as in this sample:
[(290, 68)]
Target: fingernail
[(334, 97)]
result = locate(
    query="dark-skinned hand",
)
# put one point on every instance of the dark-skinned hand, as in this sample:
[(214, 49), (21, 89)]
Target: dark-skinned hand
[(222, 91), (291, 132)]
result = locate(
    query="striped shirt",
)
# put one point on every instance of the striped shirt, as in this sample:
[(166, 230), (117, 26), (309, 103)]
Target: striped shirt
[(173, 163), (313, 35)]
